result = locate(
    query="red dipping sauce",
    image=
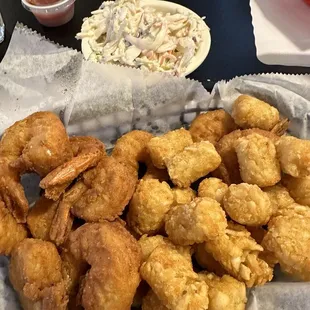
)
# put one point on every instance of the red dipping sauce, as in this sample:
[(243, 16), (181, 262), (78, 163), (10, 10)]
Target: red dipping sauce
[(51, 13)]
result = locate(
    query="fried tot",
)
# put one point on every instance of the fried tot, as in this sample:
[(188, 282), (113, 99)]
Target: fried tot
[(202, 219), (10, 231), (247, 204), (225, 292), (213, 188), (257, 160), (294, 156), (173, 280), (152, 302), (299, 189), (183, 195), (148, 206), (192, 163), (250, 112), (212, 126), (162, 149)]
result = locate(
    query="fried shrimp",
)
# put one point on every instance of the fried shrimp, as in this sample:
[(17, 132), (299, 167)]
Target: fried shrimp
[(228, 170), (114, 257), (35, 273), (110, 187), (201, 220), (250, 112), (40, 218), (87, 152), (171, 277), (39, 143), (238, 253), (288, 240), (213, 188), (212, 126), (299, 189), (10, 231), (192, 163), (225, 292), (163, 148), (131, 148), (294, 156), (258, 160), (247, 204), (148, 206)]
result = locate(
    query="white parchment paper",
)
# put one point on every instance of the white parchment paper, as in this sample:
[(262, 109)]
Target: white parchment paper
[(106, 101)]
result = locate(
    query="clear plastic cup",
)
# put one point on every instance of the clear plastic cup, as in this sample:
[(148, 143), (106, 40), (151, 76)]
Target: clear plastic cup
[(53, 15)]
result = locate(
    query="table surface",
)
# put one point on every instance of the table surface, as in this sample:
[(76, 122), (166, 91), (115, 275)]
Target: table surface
[(232, 52)]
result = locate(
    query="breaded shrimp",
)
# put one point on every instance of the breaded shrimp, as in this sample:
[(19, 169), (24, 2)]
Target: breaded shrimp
[(299, 189), (10, 231), (212, 126), (280, 197), (173, 280), (163, 148), (258, 160), (87, 152), (247, 204), (249, 112), (35, 273), (131, 148), (288, 240), (294, 156), (110, 187), (40, 218), (201, 220), (114, 257), (213, 188), (148, 206), (225, 292), (238, 254), (192, 163)]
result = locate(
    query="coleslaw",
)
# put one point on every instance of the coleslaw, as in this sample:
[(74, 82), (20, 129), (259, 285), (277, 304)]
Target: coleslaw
[(126, 32)]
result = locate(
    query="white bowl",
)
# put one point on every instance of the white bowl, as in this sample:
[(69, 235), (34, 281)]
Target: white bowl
[(171, 7)]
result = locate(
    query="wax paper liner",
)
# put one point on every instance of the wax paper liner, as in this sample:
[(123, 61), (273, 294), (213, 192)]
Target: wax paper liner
[(107, 101)]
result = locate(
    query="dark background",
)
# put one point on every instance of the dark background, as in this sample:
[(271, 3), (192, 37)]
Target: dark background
[(232, 52)]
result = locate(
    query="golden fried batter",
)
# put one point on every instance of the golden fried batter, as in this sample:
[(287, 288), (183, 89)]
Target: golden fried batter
[(148, 206), (279, 196), (183, 195), (154, 173), (40, 218), (10, 231), (299, 189), (173, 280), (213, 188), (163, 148), (206, 261), (228, 171), (212, 126), (35, 273), (152, 302), (288, 240), (131, 148), (294, 156), (225, 292), (192, 163), (238, 254), (202, 219), (257, 160), (87, 152), (114, 257), (247, 204), (110, 188), (249, 112)]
